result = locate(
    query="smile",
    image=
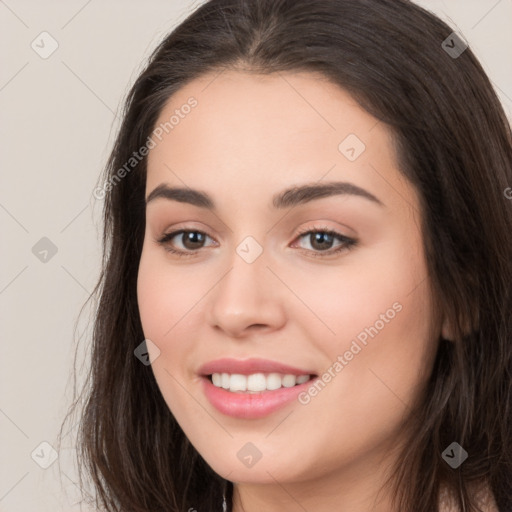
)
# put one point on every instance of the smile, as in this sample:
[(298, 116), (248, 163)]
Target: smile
[(252, 388), (256, 382)]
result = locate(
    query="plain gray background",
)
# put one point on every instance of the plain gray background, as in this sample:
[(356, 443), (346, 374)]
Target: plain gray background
[(58, 121)]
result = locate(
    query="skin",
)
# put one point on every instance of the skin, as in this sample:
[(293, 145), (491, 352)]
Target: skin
[(249, 137)]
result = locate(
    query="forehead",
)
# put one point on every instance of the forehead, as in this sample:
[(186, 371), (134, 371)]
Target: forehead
[(247, 130), (248, 110)]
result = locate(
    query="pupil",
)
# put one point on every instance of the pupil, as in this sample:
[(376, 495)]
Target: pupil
[(194, 238), (320, 237)]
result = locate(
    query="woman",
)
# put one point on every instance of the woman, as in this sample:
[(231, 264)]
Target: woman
[(305, 301)]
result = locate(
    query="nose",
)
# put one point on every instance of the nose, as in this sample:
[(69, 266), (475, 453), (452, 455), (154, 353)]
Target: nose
[(247, 298)]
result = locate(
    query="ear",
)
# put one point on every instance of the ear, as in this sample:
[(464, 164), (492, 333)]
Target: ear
[(447, 330), (468, 326)]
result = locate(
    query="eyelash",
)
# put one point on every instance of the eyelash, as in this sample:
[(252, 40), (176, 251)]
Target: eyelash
[(347, 243)]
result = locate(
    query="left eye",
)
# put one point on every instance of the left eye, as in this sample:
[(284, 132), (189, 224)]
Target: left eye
[(321, 241)]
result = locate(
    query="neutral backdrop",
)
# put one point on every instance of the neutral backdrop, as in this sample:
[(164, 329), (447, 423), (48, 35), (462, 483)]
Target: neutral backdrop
[(57, 123)]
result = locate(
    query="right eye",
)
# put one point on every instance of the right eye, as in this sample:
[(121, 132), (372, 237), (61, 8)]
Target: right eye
[(191, 241)]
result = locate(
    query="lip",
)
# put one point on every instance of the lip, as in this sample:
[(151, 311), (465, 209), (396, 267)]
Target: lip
[(250, 405), (246, 405), (248, 366)]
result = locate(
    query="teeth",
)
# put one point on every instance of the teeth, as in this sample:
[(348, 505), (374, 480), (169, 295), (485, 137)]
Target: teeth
[(273, 381), (217, 380), (302, 378), (238, 382), (256, 382), (289, 381)]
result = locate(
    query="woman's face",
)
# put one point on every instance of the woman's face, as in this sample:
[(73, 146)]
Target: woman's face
[(256, 297)]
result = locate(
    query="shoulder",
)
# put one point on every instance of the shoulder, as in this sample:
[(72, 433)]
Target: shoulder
[(482, 494)]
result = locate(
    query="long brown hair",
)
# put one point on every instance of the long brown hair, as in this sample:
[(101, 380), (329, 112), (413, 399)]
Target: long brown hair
[(454, 146)]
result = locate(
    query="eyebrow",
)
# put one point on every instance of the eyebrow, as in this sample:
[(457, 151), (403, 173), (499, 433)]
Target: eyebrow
[(290, 197)]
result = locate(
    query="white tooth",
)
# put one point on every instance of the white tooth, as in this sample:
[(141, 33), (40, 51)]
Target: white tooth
[(302, 378), (256, 382), (289, 381), (238, 382), (273, 381), (225, 380)]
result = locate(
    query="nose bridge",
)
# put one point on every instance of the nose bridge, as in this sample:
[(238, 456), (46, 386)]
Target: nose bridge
[(245, 285), (246, 294)]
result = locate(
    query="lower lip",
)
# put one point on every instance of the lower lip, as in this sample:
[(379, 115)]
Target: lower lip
[(251, 405)]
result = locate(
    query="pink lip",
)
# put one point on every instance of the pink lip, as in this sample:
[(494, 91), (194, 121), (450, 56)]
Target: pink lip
[(248, 366), (250, 405)]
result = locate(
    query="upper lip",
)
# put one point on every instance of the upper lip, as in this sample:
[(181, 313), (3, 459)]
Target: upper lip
[(250, 366)]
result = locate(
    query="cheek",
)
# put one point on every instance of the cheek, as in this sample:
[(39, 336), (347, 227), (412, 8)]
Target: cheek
[(365, 293), (381, 321), (377, 367), (165, 294), (165, 299), (171, 301)]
